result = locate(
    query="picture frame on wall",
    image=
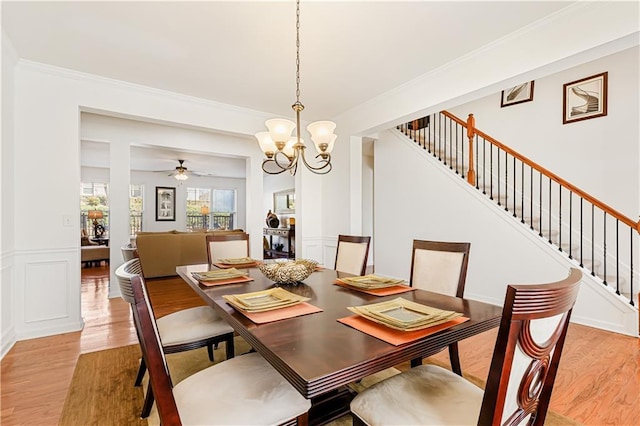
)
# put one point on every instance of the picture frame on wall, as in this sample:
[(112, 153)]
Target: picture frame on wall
[(165, 204), (585, 98), (517, 94)]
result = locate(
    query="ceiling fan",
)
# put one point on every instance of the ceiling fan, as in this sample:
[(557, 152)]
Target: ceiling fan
[(182, 173)]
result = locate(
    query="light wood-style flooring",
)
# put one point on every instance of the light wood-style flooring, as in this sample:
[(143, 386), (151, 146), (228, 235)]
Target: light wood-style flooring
[(598, 381)]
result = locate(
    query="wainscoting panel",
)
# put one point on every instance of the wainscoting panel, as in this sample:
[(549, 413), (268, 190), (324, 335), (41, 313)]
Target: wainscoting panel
[(316, 249), (47, 292), (329, 251)]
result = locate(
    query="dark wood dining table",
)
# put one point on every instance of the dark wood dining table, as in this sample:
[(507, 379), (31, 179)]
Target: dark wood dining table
[(319, 355)]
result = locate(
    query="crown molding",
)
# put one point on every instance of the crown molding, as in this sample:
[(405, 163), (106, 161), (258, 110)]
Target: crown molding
[(28, 65)]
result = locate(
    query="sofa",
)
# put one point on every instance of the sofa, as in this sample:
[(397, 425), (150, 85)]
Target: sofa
[(91, 252), (161, 252)]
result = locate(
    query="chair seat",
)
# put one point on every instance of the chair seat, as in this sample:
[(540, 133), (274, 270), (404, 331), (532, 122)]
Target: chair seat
[(424, 395), (190, 325), (244, 390)]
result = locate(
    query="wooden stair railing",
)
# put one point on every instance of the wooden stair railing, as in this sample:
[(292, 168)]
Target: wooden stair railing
[(490, 164)]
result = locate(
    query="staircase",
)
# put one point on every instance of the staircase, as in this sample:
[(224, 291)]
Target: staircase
[(592, 235)]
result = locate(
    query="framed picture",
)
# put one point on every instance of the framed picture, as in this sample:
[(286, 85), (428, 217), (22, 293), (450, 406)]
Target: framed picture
[(165, 203), (517, 94), (584, 99)]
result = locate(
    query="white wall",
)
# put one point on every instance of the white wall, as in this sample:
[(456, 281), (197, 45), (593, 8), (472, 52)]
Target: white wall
[(416, 197), (597, 154), (7, 201)]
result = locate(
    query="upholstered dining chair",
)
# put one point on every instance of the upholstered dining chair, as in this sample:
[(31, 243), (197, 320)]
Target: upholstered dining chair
[(525, 360), (183, 330), (128, 252), (441, 267), (243, 390), (227, 246), (352, 254)]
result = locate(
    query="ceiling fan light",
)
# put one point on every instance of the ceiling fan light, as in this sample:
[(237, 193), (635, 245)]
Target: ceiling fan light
[(181, 175)]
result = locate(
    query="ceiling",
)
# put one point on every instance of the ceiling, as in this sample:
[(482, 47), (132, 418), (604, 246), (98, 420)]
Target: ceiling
[(243, 53)]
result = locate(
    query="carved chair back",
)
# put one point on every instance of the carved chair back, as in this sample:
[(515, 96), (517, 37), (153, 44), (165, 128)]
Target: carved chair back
[(530, 339)]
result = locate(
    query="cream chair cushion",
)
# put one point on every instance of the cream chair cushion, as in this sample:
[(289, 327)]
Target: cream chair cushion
[(424, 395), (245, 390), (437, 271), (228, 249), (350, 257), (190, 325)]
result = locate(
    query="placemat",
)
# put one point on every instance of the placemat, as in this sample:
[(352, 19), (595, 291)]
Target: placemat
[(387, 291), (237, 280), (395, 337), (236, 265), (300, 309)]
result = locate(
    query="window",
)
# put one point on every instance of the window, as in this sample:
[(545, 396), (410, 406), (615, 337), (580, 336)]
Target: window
[(224, 201), (136, 207), (210, 209), (223, 208), (93, 196), (198, 199)]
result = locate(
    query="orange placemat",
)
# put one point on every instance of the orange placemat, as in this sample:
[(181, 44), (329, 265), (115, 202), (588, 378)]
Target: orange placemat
[(300, 309), (236, 265), (396, 337), (387, 291), (237, 280)]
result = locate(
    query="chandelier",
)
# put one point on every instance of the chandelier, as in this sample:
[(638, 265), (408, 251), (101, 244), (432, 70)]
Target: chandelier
[(283, 151)]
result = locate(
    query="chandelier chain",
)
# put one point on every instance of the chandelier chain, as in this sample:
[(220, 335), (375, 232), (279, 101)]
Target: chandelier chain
[(298, 52)]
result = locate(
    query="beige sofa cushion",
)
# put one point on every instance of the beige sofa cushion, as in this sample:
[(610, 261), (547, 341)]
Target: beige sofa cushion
[(161, 252), (94, 253)]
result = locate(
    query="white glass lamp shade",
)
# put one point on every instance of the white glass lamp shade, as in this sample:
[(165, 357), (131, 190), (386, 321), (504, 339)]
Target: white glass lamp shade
[(331, 143), (267, 145), (288, 148), (322, 135), (280, 129), (182, 176)]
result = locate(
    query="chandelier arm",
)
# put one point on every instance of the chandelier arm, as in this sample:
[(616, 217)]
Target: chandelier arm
[(264, 169), (320, 170)]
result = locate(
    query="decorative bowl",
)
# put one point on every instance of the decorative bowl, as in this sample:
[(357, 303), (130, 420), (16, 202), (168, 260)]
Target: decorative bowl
[(288, 272)]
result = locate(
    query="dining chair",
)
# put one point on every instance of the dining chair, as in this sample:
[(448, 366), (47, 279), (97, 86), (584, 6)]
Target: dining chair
[(523, 368), (181, 331), (243, 390), (352, 254), (441, 267), (224, 246)]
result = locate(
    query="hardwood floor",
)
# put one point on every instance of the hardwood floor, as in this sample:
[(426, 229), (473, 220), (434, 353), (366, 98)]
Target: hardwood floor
[(598, 381)]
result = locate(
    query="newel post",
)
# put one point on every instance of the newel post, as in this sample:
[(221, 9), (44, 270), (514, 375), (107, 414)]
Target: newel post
[(471, 128)]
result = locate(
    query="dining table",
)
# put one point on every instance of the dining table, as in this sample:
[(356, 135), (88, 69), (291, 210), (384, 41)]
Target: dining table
[(317, 352)]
